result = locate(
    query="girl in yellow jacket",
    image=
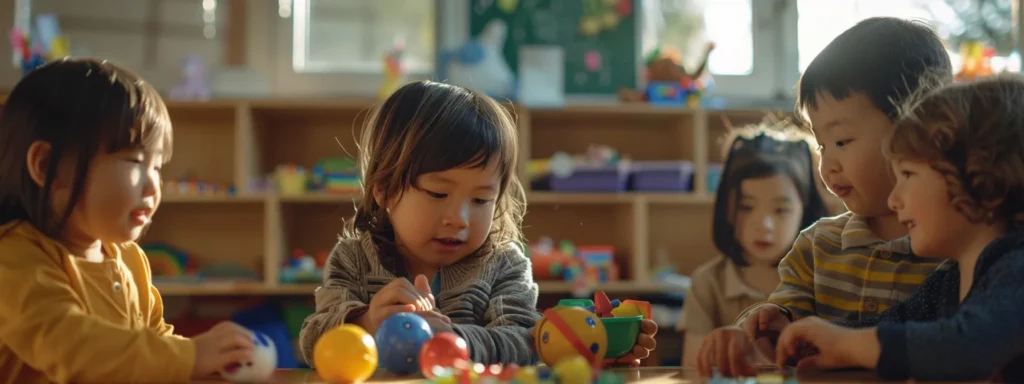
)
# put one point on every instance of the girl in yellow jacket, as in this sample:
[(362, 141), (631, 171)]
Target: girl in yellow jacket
[(81, 146)]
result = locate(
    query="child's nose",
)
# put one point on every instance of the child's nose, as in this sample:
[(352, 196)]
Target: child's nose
[(894, 201), (458, 217)]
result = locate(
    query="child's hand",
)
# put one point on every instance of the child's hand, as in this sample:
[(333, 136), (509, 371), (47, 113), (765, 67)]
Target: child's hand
[(396, 297), (837, 347), (224, 344), (730, 350), (645, 343), (438, 323), (768, 318)]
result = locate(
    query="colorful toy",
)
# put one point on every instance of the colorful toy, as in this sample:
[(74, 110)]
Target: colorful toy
[(574, 370), (621, 325), (564, 332), (630, 308), (291, 179), (399, 339), (260, 368), (669, 83), (393, 71), (345, 354), (196, 188), (302, 267), (442, 352), (336, 175), (167, 261), (44, 43)]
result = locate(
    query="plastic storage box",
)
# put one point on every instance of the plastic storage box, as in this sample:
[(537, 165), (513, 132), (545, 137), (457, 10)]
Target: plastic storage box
[(593, 178), (663, 176)]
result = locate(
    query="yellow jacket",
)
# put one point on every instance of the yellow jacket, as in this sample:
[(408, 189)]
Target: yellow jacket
[(64, 319)]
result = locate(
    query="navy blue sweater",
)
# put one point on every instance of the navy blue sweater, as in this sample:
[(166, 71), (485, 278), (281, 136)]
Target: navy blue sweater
[(933, 336)]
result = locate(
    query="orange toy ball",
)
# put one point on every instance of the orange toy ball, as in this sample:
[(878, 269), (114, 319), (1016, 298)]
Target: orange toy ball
[(443, 350), (345, 354)]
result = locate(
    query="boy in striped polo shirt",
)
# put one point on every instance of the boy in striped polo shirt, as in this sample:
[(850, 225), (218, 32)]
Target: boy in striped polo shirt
[(853, 266)]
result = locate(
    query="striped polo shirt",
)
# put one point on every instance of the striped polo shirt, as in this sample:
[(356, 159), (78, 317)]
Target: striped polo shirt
[(839, 269)]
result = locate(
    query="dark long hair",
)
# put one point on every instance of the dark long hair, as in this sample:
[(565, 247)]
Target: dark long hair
[(757, 152), (80, 107)]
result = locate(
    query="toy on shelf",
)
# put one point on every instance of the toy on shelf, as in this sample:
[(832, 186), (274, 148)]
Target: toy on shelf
[(197, 188), (599, 169), (291, 179), (668, 83), (169, 263), (304, 268), (480, 64), (585, 266), (44, 43), (393, 72), (336, 175), (193, 85), (976, 61), (345, 354)]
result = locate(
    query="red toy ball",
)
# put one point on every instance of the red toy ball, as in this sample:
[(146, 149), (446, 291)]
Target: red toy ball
[(442, 351)]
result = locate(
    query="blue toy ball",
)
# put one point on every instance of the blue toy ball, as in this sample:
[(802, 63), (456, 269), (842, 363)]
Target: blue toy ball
[(399, 340)]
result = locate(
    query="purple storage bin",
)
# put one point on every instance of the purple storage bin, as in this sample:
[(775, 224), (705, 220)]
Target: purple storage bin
[(662, 176), (593, 178)]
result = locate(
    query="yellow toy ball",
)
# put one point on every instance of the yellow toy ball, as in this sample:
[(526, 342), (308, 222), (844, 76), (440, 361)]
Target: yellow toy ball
[(565, 332), (574, 370), (345, 354)]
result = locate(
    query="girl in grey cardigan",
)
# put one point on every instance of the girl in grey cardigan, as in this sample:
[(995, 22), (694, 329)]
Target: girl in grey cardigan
[(437, 231)]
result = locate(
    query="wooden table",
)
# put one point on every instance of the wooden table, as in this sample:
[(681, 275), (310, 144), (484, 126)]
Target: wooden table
[(645, 375)]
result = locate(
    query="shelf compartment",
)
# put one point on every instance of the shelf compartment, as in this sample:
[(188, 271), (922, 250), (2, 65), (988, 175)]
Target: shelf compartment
[(683, 232), (213, 233), (586, 224), (204, 145)]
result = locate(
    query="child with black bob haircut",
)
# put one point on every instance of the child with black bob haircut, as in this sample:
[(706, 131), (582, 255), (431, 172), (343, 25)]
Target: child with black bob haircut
[(958, 157), (767, 195), (82, 143)]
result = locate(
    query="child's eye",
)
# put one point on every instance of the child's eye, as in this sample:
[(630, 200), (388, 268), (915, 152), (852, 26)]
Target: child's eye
[(906, 174), (842, 143), (435, 194), (746, 207), (783, 211), (481, 201)]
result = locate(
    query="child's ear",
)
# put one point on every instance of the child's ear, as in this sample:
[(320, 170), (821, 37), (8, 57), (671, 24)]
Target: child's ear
[(37, 160), (378, 197)]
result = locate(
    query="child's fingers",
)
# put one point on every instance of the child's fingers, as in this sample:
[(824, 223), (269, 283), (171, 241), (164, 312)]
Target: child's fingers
[(751, 325), (646, 341), (422, 284), (640, 353), (810, 363), (702, 353), (389, 310), (649, 327), (738, 362)]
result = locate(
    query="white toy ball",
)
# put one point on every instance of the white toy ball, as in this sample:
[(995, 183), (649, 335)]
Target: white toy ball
[(260, 368)]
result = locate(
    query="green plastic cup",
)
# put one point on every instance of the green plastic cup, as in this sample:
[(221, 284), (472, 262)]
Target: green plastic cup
[(622, 334), (579, 303)]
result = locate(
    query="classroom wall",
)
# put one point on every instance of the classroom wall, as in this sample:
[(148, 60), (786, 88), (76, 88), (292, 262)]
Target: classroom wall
[(121, 30)]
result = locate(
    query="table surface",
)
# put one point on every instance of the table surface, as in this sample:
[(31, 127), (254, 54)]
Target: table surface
[(646, 375)]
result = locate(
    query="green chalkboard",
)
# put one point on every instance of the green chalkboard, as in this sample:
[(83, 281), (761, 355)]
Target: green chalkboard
[(558, 23)]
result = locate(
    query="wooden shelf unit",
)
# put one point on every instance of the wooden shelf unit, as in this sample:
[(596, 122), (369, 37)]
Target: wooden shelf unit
[(234, 141)]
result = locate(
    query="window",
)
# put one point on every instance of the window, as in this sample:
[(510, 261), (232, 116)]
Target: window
[(353, 35), (740, 63), (989, 21)]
